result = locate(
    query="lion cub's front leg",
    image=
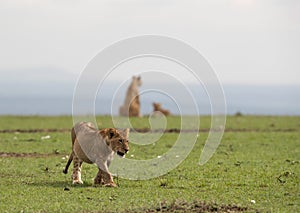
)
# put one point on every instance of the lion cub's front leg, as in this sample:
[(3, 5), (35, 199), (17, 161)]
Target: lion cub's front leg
[(104, 179), (107, 179), (103, 176), (99, 178)]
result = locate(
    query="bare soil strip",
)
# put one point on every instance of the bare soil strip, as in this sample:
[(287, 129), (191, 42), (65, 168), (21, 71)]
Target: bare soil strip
[(147, 130), (25, 155), (33, 130)]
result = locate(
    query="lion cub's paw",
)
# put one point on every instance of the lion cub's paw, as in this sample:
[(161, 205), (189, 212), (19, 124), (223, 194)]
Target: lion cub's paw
[(77, 182), (98, 182), (110, 185)]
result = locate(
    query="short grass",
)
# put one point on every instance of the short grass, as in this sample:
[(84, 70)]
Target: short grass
[(256, 166)]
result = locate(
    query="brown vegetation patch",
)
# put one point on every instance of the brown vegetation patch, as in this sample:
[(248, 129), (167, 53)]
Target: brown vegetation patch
[(196, 206)]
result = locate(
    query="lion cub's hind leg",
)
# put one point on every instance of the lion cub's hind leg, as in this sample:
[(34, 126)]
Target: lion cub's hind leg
[(76, 176)]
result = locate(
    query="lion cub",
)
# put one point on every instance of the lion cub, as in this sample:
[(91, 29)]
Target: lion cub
[(96, 146)]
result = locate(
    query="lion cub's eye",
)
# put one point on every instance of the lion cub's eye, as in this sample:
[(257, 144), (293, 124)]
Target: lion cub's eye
[(120, 141)]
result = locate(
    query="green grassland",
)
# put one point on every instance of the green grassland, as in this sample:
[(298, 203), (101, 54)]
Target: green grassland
[(256, 167)]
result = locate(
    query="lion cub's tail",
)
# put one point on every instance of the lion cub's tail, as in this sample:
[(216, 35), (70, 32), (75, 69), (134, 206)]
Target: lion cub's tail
[(73, 136)]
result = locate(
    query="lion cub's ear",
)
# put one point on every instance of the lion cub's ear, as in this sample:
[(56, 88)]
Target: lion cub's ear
[(126, 133), (111, 133)]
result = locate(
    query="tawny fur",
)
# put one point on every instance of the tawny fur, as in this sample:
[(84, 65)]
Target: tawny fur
[(157, 107), (131, 106), (90, 145)]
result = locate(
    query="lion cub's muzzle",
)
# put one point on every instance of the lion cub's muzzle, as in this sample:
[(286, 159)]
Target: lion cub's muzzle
[(121, 154)]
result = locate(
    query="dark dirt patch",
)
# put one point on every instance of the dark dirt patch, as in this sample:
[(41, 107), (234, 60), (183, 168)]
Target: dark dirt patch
[(144, 130), (23, 155), (33, 130), (196, 206), (176, 130)]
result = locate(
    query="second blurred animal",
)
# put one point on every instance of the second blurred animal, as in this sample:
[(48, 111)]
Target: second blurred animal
[(157, 108)]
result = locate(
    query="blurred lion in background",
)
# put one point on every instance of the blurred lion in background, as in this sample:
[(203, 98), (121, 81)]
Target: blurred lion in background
[(131, 106)]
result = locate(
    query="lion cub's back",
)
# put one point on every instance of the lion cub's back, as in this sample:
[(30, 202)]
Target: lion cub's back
[(85, 135)]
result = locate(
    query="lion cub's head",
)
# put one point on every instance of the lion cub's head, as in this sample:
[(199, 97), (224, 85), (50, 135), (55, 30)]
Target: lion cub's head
[(116, 140), (137, 80), (157, 106)]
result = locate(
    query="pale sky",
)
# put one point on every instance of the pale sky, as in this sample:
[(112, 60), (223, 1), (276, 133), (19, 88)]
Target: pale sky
[(245, 41)]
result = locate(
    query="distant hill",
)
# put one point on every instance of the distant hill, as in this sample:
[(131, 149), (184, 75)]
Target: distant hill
[(36, 82)]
